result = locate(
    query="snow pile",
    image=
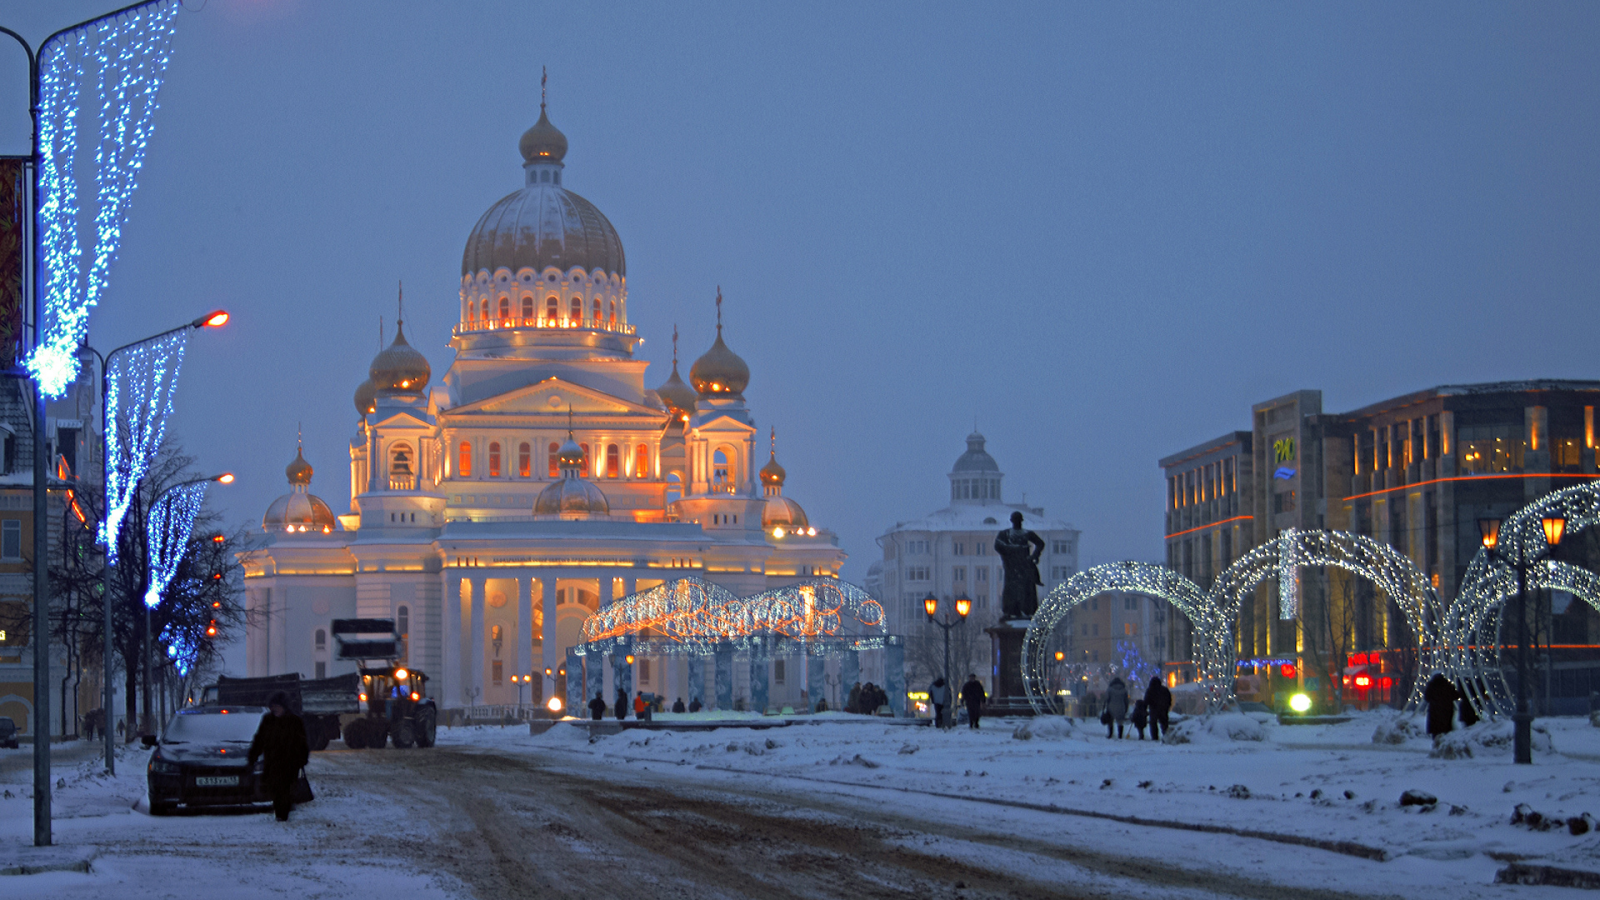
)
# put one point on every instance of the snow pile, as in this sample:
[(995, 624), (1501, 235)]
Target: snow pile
[(1491, 738), (1399, 730), (1048, 728), (1220, 727)]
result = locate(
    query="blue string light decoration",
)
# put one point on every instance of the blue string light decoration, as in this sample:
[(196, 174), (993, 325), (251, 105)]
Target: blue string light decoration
[(140, 386), (130, 53), (171, 523), (181, 649)]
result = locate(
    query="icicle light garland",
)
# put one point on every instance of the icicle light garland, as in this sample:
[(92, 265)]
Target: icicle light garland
[(130, 53), (1215, 613), (171, 523), (139, 393)]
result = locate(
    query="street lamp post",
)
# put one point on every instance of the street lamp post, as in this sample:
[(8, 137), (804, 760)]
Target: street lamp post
[(214, 319), (145, 727), (930, 605), (1489, 529)]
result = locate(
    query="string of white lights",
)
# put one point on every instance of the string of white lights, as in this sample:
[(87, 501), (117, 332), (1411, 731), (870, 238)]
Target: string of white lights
[(140, 386), (130, 53), (167, 537)]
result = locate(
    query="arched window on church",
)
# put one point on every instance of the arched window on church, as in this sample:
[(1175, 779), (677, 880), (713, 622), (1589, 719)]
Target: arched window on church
[(598, 321), (402, 468), (613, 461), (527, 309), (585, 470), (575, 313), (494, 459), (641, 461), (613, 305), (505, 311), (555, 462), (720, 470), (464, 461), (550, 312), (485, 313), (674, 487), (525, 461), (471, 314), (322, 641)]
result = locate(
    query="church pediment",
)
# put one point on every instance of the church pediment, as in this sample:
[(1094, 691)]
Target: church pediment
[(553, 397), (723, 424), (401, 420)]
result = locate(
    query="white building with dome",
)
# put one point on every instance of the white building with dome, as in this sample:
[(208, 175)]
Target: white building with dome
[(537, 481)]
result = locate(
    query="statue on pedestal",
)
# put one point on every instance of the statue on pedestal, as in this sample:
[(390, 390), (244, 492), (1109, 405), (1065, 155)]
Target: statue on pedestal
[(1019, 599)]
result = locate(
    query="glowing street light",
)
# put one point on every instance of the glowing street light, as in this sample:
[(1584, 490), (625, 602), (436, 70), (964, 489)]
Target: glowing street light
[(930, 605), (1554, 527)]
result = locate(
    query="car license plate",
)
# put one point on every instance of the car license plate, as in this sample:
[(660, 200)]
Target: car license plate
[(216, 781)]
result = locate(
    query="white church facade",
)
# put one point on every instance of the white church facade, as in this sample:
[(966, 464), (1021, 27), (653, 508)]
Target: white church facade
[(539, 481)]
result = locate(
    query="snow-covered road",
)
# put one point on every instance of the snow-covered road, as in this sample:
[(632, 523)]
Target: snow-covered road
[(833, 809)]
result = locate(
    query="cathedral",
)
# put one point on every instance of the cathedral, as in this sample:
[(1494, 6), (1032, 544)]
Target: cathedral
[(539, 481)]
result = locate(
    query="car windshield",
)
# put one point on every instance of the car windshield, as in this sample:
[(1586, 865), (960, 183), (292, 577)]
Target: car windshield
[(214, 727)]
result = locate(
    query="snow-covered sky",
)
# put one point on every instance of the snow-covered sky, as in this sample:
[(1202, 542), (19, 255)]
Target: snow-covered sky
[(1100, 231)]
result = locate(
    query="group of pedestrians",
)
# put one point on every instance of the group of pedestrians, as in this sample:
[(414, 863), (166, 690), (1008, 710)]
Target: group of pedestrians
[(972, 697), (1442, 697), (865, 699), (1150, 711)]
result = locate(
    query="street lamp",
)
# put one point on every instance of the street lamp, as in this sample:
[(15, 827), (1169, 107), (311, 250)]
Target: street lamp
[(930, 605), (213, 319), (224, 478), (1554, 528)]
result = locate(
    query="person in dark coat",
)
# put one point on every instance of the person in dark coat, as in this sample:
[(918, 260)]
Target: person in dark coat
[(1116, 714), (597, 708), (677, 705), (1441, 697), (853, 704), (622, 704), (939, 696), (1158, 703), (1468, 715), (973, 695), (694, 705), (1141, 716), (281, 738)]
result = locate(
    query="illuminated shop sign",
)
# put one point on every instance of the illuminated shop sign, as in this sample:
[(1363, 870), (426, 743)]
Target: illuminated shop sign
[(1283, 450)]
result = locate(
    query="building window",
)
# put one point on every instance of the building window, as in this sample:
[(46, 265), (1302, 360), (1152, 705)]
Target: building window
[(494, 459), (1059, 547), (641, 461), (613, 306), (958, 549), (550, 312), (321, 641), (959, 573), (613, 461), (778, 672), (505, 310), (464, 465), (585, 470), (11, 539), (981, 573), (485, 315), (402, 476), (555, 461), (525, 460), (644, 671), (1130, 629), (575, 313), (527, 307), (322, 670), (917, 573), (719, 467), (1130, 603), (598, 321), (498, 668)]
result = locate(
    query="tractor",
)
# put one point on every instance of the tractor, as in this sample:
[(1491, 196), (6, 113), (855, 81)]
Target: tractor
[(393, 699)]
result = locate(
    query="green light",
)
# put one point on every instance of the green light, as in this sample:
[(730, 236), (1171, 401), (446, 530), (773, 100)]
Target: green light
[(1300, 703)]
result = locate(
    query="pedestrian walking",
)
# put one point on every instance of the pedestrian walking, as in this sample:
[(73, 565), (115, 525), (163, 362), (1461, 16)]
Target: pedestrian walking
[(694, 705), (1158, 703), (677, 705), (1469, 715), (939, 696), (972, 694), (1116, 713), (1441, 697), (622, 704), (597, 707), (281, 739), (853, 704), (1140, 716), (641, 709)]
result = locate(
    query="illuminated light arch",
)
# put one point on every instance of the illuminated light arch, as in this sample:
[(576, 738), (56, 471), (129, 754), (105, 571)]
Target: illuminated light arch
[(1386, 568), (1470, 629), (1129, 577)]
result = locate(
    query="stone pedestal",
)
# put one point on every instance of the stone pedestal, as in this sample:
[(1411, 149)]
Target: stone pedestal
[(1008, 697)]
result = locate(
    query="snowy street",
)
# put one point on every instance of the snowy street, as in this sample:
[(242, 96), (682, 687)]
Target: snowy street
[(835, 808)]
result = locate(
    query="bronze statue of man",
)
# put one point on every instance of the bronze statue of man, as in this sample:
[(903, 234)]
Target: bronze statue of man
[(1019, 599)]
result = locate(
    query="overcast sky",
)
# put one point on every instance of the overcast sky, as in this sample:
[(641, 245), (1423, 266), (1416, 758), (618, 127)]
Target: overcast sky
[(1101, 231)]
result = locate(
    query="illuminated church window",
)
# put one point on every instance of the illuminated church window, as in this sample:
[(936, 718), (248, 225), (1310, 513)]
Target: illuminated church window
[(494, 459), (575, 313), (597, 320), (641, 461), (585, 470), (719, 468), (464, 465), (555, 463), (613, 461), (505, 309), (550, 312), (613, 313), (485, 315), (525, 461), (527, 307), (402, 476)]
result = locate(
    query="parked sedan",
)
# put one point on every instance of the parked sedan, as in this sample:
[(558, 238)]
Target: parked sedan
[(203, 759)]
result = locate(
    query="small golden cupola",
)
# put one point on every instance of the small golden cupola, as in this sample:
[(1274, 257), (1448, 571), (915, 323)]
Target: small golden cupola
[(720, 372), (779, 512), (299, 510), (571, 495), (400, 366), (678, 397)]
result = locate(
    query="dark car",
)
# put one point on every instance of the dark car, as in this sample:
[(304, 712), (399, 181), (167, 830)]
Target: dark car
[(8, 733), (203, 759)]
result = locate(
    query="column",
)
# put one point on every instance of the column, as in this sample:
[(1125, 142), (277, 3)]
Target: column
[(551, 658), (630, 585), (450, 606), (849, 674), (606, 586), (760, 668), (724, 676), (894, 674), (525, 661), (577, 703), (593, 681), (814, 672), (278, 629), (697, 680), (475, 641), (621, 671)]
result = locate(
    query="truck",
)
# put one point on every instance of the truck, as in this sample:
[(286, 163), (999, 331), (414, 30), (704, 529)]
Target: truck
[(322, 703), (394, 699)]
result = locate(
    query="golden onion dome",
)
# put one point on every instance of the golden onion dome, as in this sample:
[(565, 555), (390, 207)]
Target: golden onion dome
[(366, 397), (543, 142), (299, 471), (678, 397), (570, 456), (773, 474), (720, 371), (400, 367)]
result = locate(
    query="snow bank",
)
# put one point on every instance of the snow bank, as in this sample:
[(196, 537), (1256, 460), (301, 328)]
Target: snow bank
[(1220, 727), (1491, 738), (1049, 728), (1399, 730)]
